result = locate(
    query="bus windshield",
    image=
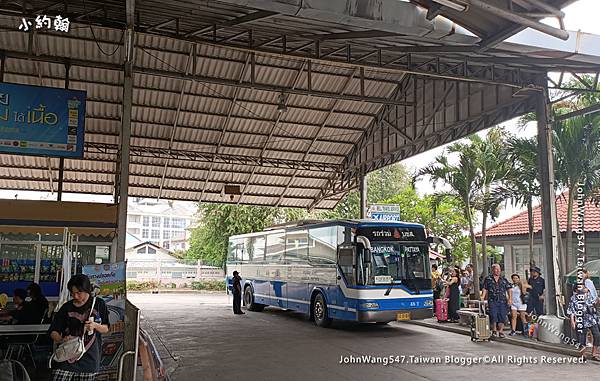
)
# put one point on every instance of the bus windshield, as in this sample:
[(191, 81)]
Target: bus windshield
[(394, 262)]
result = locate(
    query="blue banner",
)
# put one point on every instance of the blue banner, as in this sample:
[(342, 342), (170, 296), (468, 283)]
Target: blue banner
[(42, 121)]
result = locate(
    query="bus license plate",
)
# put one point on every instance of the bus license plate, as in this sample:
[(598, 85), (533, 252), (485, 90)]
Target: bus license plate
[(402, 316)]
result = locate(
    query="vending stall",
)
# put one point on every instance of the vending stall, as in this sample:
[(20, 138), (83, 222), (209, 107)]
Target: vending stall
[(35, 234)]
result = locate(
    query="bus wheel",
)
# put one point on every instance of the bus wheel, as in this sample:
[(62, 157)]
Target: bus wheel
[(320, 312), (249, 301)]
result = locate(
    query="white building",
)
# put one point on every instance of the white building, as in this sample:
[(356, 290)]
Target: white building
[(164, 223)]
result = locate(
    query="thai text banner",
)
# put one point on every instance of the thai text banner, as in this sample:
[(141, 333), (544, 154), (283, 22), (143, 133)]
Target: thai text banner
[(41, 121)]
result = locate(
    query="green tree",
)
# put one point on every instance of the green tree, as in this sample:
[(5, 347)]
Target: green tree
[(209, 241), (577, 161), (464, 182), (493, 168), (522, 184)]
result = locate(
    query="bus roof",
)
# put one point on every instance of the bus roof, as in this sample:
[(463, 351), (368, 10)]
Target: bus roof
[(364, 223)]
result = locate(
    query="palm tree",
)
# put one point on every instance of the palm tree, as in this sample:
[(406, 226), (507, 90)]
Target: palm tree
[(463, 179), (577, 145), (521, 182), (493, 168)]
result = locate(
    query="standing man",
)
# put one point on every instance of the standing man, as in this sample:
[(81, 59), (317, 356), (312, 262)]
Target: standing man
[(498, 292), (237, 294), (536, 286)]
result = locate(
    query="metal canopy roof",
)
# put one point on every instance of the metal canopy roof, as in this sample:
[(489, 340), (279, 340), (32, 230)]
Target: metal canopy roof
[(209, 77)]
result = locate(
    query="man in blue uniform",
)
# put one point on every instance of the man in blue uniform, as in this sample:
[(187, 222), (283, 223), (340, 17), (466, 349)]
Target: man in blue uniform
[(537, 285), (237, 294)]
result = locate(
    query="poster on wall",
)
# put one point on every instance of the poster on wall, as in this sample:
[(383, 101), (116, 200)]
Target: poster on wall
[(43, 121), (108, 281)]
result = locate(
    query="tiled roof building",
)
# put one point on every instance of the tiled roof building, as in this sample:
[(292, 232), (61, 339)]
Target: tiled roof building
[(510, 236)]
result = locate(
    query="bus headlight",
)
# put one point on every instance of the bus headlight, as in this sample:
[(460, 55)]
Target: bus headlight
[(428, 303), (369, 305)]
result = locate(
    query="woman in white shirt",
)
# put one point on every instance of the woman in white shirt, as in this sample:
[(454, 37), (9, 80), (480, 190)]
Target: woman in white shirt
[(517, 304)]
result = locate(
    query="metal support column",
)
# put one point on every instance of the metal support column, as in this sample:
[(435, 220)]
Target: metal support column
[(125, 133), (549, 225), (61, 162), (362, 185)]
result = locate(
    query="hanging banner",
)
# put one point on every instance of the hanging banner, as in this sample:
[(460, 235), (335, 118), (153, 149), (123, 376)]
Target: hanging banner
[(42, 121), (109, 282)]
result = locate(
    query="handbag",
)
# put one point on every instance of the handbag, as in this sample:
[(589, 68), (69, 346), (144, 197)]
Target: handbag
[(72, 349)]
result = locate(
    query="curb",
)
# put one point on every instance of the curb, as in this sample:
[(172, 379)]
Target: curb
[(529, 344)]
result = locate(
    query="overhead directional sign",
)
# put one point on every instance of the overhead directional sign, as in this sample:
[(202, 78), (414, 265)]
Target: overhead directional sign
[(384, 212), (386, 216), (41, 120)]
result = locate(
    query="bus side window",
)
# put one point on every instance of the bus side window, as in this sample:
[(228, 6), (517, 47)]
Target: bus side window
[(345, 261), (258, 249), (231, 252), (275, 247)]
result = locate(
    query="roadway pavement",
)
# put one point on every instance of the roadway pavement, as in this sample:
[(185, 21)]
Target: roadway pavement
[(200, 339)]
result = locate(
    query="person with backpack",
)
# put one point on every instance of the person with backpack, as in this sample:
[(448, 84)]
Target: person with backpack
[(436, 283), (85, 317)]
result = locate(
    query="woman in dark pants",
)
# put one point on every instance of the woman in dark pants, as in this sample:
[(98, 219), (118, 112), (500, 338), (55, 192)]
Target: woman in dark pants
[(583, 302), (453, 303)]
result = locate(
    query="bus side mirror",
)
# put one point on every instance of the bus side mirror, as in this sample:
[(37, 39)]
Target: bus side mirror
[(448, 253), (367, 256)]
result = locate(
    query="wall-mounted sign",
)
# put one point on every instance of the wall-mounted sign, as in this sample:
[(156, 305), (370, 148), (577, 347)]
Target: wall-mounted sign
[(58, 23), (41, 120)]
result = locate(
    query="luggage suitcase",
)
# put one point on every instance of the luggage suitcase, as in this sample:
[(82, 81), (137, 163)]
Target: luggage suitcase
[(480, 325), (441, 310)]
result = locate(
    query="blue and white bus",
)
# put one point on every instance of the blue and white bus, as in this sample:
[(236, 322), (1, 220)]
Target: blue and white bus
[(354, 270)]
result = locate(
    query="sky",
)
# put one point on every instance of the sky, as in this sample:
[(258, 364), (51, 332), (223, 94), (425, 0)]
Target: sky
[(582, 15)]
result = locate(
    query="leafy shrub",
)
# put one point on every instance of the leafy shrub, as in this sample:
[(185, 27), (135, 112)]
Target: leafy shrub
[(209, 285), (142, 286)]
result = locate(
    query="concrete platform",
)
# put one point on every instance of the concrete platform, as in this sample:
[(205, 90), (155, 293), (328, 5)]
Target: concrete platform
[(201, 339)]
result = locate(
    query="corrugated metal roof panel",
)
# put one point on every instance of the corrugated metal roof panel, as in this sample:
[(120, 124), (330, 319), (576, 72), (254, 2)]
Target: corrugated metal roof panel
[(203, 116)]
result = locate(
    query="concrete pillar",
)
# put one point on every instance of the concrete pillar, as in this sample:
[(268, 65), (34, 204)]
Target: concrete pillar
[(363, 196), (125, 133), (549, 225)]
